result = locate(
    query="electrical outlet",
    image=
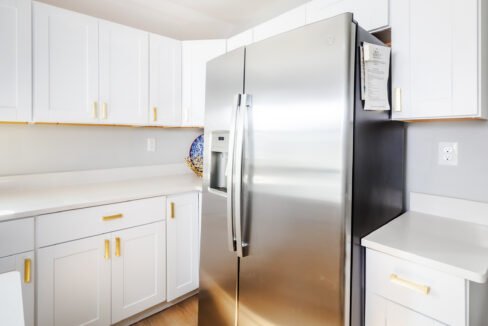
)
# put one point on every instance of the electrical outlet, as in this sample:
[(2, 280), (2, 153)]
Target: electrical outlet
[(151, 145), (448, 153)]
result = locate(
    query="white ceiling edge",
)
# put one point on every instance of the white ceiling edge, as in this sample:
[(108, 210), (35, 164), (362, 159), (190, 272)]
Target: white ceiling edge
[(183, 19)]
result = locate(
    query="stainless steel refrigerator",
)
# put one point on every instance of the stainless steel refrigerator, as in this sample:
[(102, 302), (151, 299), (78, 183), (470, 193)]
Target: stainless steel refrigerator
[(295, 173)]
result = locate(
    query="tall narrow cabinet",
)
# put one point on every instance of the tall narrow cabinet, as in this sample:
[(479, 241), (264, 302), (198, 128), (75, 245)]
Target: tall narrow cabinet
[(183, 244)]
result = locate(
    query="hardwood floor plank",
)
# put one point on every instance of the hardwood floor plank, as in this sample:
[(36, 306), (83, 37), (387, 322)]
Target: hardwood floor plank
[(184, 313)]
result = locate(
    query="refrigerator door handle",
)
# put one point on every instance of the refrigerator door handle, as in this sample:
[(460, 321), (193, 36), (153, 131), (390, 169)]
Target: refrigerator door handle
[(230, 175), (245, 104)]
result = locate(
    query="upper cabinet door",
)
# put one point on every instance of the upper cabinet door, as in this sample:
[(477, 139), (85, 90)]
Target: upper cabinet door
[(283, 23), (15, 60), (165, 81), (195, 56), (124, 69), (183, 244), (436, 59), (370, 15), (65, 65), (138, 269)]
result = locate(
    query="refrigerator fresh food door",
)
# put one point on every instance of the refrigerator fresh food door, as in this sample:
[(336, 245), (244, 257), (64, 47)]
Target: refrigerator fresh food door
[(219, 262), (296, 177)]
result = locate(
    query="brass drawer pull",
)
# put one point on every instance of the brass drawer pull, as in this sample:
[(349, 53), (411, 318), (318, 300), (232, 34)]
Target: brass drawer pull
[(27, 270), (424, 289), (112, 217)]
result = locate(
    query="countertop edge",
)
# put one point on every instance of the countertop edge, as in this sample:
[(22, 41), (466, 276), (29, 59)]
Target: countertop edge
[(477, 277), (93, 203)]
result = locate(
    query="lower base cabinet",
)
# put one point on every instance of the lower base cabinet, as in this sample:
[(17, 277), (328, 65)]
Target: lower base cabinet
[(381, 312), (24, 264), (138, 270), (183, 244), (103, 279), (74, 283)]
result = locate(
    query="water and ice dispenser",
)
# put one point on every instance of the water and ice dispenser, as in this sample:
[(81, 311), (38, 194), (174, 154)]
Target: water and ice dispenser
[(219, 148)]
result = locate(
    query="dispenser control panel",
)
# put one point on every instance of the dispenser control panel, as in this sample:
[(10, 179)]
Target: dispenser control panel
[(219, 148)]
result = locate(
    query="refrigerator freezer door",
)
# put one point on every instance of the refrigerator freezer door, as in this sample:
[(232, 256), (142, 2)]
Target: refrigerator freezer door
[(218, 262), (297, 168)]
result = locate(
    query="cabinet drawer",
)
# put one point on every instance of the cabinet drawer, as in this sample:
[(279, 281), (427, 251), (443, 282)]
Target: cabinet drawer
[(16, 236), (432, 293), (81, 223)]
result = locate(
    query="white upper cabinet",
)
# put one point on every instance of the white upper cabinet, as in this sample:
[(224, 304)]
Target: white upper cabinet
[(124, 74), (283, 23), (183, 244), (164, 81), (15, 60), (439, 59), (65, 65), (370, 15), (195, 55), (239, 40)]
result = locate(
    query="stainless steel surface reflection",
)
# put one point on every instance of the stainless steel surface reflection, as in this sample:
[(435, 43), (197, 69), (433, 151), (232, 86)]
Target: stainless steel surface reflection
[(218, 265), (296, 171)]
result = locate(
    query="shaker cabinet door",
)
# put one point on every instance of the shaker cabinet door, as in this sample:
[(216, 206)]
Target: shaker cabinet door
[(380, 311), (15, 60), (183, 246), (65, 66), (195, 55), (435, 59), (74, 283), (164, 81), (24, 264), (124, 74), (138, 269)]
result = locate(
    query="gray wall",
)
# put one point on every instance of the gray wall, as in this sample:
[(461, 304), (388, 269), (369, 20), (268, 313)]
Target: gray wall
[(27, 149), (468, 180)]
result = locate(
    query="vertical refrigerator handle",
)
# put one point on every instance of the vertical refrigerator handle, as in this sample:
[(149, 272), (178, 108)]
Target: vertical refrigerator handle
[(231, 239), (241, 129)]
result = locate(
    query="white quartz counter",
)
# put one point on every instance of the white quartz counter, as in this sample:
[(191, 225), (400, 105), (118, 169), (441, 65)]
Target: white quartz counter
[(453, 246), (19, 203)]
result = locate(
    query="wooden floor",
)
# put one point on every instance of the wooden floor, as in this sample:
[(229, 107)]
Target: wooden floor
[(184, 313)]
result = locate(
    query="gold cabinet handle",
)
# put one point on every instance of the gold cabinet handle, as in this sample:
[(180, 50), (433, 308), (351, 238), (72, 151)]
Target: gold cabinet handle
[(424, 289), (104, 111), (112, 217), (95, 110), (397, 100), (117, 247), (27, 270), (107, 250), (172, 209), (155, 114)]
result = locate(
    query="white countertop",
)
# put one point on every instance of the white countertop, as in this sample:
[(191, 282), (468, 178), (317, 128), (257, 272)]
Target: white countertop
[(32, 202), (452, 246)]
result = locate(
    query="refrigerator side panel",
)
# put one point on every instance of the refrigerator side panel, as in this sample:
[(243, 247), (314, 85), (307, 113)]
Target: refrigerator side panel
[(379, 181), (296, 170), (218, 264)]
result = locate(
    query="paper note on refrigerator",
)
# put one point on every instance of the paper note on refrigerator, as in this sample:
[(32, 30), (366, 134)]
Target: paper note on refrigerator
[(375, 71)]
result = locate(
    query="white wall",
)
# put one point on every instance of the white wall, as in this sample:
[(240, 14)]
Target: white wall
[(468, 180), (27, 149)]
